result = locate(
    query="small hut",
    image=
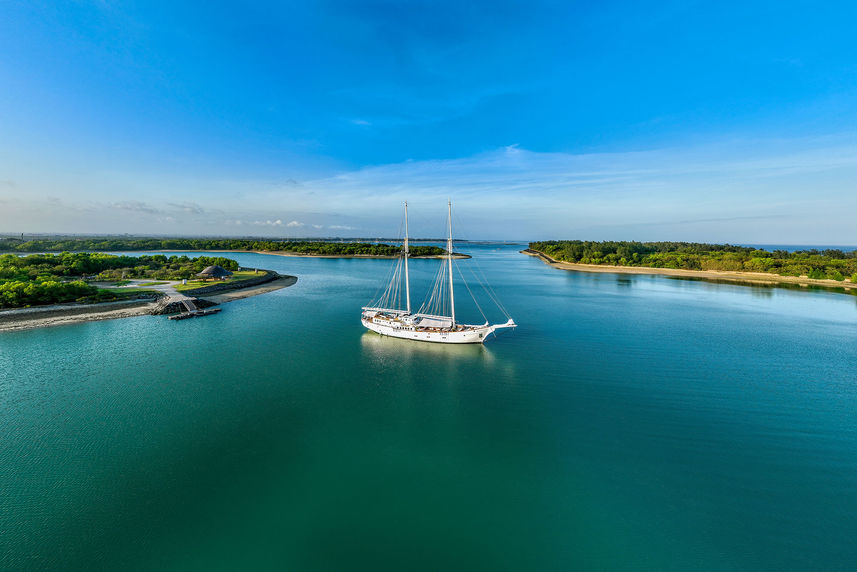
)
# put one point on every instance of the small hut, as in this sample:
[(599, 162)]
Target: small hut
[(215, 273)]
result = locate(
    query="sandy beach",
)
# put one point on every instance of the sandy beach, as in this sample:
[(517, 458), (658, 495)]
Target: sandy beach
[(746, 277)]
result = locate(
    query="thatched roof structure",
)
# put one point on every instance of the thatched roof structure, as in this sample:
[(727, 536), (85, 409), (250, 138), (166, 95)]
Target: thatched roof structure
[(214, 272)]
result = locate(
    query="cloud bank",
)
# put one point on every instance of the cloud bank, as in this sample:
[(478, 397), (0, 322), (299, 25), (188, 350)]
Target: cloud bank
[(763, 191)]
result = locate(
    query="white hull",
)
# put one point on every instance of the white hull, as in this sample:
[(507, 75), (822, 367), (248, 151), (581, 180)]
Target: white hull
[(461, 334), (432, 324)]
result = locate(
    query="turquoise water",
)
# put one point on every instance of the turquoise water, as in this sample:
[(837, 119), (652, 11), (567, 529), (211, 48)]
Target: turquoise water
[(629, 422)]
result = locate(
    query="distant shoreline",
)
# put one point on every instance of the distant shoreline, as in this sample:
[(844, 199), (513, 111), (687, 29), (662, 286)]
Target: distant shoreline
[(308, 255), (760, 278), (456, 256)]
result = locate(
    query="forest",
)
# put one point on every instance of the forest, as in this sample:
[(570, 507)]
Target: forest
[(325, 248), (40, 279), (830, 264)]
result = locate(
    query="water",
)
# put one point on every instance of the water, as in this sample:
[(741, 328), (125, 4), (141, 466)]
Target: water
[(796, 247), (629, 422)]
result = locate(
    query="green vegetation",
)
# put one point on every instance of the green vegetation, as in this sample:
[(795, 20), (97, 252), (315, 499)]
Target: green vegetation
[(41, 279), (135, 244), (237, 275), (820, 264), (127, 292), (22, 293)]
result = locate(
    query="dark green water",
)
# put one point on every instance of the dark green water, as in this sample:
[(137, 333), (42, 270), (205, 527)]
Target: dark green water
[(630, 422)]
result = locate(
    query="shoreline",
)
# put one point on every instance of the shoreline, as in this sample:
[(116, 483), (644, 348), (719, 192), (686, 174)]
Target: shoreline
[(367, 256), (273, 252), (754, 278), (305, 255), (17, 319)]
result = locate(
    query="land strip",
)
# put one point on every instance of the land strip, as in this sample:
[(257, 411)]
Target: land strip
[(731, 276), (59, 314), (162, 295), (455, 255)]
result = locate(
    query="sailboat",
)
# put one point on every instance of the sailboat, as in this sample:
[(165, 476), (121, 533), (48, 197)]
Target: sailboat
[(435, 320)]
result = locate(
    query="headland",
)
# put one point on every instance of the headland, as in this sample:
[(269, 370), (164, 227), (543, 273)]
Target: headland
[(163, 297)]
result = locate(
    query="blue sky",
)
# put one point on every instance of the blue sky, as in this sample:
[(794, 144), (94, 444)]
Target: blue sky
[(714, 121)]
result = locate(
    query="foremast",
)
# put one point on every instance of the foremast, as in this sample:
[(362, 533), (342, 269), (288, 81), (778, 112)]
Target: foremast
[(406, 253), (449, 260)]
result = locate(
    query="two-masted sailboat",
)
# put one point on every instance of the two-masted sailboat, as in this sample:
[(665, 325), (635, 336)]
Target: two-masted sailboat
[(435, 320)]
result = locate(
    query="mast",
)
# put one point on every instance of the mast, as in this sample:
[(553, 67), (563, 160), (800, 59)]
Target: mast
[(407, 281), (449, 259)]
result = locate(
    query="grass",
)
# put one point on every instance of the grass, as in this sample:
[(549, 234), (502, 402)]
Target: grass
[(129, 291), (237, 275), (151, 283)]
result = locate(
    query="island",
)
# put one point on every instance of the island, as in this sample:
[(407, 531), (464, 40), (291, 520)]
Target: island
[(49, 289), (826, 268)]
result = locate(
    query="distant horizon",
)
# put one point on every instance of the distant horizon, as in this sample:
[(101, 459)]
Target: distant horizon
[(764, 246)]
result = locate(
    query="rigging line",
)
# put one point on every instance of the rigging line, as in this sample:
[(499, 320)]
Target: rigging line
[(466, 285), (488, 289), (431, 305), (391, 274), (387, 279), (425, 307), (434, 302), (486, 286), (389, 294)]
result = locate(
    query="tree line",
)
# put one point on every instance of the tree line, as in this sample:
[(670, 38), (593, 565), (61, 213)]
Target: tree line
[(40, 279), (813, 263), (137, 244)]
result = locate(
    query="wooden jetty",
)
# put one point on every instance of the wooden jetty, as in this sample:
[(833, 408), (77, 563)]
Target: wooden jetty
[(192, 310)]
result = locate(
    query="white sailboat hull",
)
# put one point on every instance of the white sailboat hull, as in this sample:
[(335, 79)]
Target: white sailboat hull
[(385, 317), (461, 334)]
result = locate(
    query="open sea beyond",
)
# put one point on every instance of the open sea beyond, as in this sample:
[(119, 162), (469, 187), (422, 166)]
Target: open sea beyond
[(631, 421)]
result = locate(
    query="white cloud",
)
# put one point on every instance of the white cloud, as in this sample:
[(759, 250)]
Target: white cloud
[(294, 224), (188, 207), (135, 206)]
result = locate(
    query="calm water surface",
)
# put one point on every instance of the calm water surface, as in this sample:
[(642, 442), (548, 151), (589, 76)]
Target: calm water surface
[(629, 422)]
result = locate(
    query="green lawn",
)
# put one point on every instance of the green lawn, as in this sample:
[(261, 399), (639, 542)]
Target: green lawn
[(151, 283), (236, 276), (129, 291)]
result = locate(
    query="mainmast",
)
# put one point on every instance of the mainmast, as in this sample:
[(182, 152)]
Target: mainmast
[(449, 259), (407, 282)]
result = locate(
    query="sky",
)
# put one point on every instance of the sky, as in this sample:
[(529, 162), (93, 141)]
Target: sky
[(700, 121)]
